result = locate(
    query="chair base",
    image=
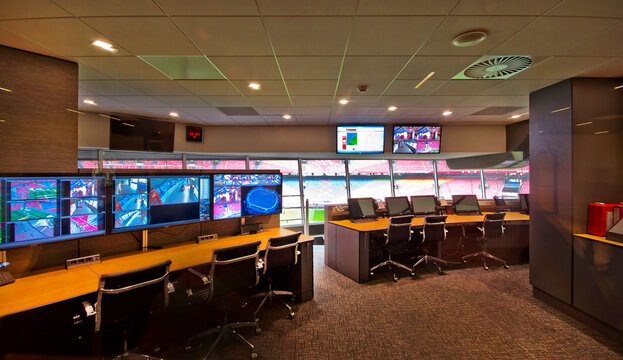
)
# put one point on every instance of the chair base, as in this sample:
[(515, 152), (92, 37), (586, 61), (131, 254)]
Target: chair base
[(484, 256), (269, 296), (223, 330), (426, 259), (389, 263)]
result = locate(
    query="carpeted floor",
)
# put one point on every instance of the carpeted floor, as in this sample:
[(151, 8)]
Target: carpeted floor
[(465, 314)]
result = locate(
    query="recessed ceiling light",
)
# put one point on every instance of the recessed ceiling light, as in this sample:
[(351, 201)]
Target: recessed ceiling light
[(446, 113), (343, 101), (9, 90), (255, 86), (287, 116), (392, 108), (174, 114), (469, 38), (104, 45), (89, 101), (424, 80)]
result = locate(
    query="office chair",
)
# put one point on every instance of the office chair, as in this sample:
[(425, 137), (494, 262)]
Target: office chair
[(232, 270), (434, 230), (491, 229), (127, 299), (398, 231), (282, 252)]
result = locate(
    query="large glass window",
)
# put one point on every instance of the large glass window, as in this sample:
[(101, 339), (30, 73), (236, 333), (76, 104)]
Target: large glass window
[(457, 182), (414, 177), (324, 182), (369, 178), (132, 160), (216, 164), (87, 159), (291, 214), (507, 183)]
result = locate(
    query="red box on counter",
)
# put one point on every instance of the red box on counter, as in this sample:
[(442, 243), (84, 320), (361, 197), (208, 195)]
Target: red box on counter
[(601, 217)]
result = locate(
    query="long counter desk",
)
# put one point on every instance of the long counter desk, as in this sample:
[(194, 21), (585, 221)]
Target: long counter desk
[(347, 244)]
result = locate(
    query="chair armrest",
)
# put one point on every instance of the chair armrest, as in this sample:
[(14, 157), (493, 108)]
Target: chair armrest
[(481, 229), (204, 278)]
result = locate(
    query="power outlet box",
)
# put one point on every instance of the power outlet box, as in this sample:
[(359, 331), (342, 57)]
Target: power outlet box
[(81, 261), (204, 238)]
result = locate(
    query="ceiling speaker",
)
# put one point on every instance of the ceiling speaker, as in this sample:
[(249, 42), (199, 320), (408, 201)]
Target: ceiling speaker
[(495, 67)]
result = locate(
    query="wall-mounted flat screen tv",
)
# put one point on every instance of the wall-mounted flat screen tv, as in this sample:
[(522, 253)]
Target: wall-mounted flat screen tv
[(414, 139), (237, 195), (360, 139), (136, 133)]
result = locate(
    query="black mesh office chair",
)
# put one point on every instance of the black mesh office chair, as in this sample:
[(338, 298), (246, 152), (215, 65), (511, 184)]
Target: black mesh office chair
[(491, 229), (434, 230), (126, 299), (398, 231), (232, 270), (282, 252)]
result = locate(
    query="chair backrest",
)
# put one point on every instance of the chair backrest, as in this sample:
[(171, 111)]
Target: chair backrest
[(492, 225), (281, 251), (234, 269), (399, 229), (434, 228), (131, 295)]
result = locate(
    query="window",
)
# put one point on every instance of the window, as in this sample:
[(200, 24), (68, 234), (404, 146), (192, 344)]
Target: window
[(369, 178), (87, 159), (414, 177), (131, 160), (291, 214), (507, 183), (324, 182), (457, 182), (216, 164)]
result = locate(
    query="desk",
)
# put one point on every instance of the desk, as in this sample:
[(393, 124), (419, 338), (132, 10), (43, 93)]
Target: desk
[(59, 285), (347, 244)]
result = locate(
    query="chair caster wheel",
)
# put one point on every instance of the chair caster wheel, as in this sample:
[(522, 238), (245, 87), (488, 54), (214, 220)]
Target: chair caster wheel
[(371, 273), (395, 278), (464, 261), (291, 315), (486, 268), (412, 273), (258, 331), (187, 348), (254, 355), (506, 267)]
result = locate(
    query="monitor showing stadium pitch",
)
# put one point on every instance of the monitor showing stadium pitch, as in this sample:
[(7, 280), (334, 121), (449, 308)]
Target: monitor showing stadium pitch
[(238, 195), (360, 139), (413, 139)]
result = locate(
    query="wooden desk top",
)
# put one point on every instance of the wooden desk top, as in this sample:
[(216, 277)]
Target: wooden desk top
[(599, 239), (58, 285), (383, 223)]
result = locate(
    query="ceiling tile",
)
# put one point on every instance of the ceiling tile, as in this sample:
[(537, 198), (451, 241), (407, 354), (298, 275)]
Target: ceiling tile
[(516, 87), (310, 67), (68, 37), (108, 87), (488, 100), (465, 87), (274, 110), (175, 100), (405, 7), (503, 7), (606, 43), (515, 101), (560, 67), (349, 111), (144, 35), (30, 9), (208, 87), (85, 92), (279, 120), (378, 35), (249, 120), (445, 67), (420, 100), (308, 35), (312, 111), (306, 7), (312, 120), (247, 68), (9, 38), (375, 71), (183, 67), (208, 8), (162, 113), (362, 100), (139, 101), (86, 73), (225, 100), (613, 68), (407, 87), (269, 87), (311, 87), (499, 28), (226, 36), (552, 35), (157, 87), (209, 115), (312, 100), (261, 100), (103, 102), (110, 7), (597, 8), (121, 67)]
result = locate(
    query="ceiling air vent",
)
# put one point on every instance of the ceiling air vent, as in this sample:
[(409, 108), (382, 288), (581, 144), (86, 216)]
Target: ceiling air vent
[(495, 67)]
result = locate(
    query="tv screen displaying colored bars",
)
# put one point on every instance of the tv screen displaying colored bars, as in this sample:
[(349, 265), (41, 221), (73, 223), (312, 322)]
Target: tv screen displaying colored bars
[(412, 139), (360, 139), (237, 195)]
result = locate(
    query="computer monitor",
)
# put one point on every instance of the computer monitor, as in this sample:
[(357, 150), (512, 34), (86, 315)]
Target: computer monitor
[(524, 201), (423, 205), (398, 205), (360, 208), (465, 204)]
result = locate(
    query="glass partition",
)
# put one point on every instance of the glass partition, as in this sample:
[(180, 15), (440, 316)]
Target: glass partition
[(414, 177), (506, 183), (369, 178), (291, 214), (457, 182), (140, 160), (216, 164), (324, 182)]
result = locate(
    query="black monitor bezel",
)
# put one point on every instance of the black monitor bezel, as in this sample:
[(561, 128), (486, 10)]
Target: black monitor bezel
[(399, 197), (416, 125), (337, 148), (475, 212), (213, 175), (423, 213), (374, 207)]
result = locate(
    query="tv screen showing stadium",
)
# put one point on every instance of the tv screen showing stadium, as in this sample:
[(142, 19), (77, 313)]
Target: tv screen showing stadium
[(360, 139), (237, 195), (411, 139)]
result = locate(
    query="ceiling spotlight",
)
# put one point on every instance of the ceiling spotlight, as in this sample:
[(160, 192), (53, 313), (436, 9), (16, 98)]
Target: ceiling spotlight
[(254, 85), (287, 116), (392, 108), (343, 101), (469, 38), (89, 101), (104, 45), (174, 114), (446, 113)]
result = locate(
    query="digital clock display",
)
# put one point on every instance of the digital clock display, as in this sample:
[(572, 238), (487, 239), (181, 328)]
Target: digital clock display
[(194, 133)]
